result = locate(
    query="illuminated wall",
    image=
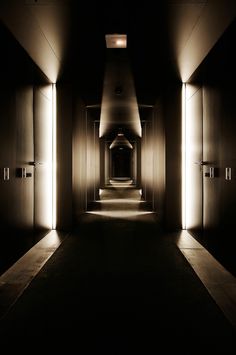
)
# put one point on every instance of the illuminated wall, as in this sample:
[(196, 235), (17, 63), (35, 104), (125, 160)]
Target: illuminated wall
[(79, 159), (43, 133), (210, 138), (92, 157), (219, 127), (161, 157), (147, 158), (64, 156), (86, 157), (16, 135), (26, 149), (159, 160)]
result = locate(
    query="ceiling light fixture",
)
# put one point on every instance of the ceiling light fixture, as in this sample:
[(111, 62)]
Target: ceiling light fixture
[(116, 41), (121, 142)]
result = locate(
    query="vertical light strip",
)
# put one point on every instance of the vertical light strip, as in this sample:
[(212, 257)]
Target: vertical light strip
[(184, 156), (54, 157)]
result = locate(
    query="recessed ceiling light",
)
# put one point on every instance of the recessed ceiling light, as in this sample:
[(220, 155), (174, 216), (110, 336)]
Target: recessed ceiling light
[(120, 142), (116, 41)]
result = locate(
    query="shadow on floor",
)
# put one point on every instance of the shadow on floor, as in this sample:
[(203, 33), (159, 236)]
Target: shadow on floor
[(117, 285)]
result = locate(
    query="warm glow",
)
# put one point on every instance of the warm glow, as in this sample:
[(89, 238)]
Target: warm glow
[(121, 183), (119, 42), (120, 141), (184, 156), (46, 164), (128, 207), (116, 41), (43, 157), (120, 214), (54, 157), (212, 274), (121, 200), (193, 147), (119, 107)]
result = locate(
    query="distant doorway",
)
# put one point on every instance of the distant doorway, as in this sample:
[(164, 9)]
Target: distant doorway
[(121, 163)]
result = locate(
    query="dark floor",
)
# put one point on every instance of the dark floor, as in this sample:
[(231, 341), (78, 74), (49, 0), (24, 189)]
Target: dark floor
[(16, 244), (117, 285), (222, 245)]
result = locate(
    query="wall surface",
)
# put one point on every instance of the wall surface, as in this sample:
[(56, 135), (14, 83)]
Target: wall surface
[(79, 159), (216, 76), (147, 158), (19, 107), (219, 111), (93, 156), (64, 156), (173, 131), (159, 163), (161, 157), (41, 28), (16, 134), (195, 27), (86, 157), (18, 110)]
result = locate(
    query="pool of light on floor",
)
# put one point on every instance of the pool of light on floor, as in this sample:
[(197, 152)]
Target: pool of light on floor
[(119, 200), (124, 203), (120, 214), (219, 282)]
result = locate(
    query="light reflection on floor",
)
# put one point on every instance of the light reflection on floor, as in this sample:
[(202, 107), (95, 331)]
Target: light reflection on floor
[(219, 282), (120, 214), (123, 201), (118, 201), (14, 281)]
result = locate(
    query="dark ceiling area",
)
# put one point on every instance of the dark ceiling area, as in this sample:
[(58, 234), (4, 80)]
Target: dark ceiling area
[(166, 40), (147, 46)]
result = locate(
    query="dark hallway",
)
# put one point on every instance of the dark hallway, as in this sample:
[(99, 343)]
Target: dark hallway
[(117, 285), (117, 177)]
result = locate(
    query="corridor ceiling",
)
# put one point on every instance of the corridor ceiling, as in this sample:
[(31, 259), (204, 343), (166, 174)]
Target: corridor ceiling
[(165, 39), (146, 44)]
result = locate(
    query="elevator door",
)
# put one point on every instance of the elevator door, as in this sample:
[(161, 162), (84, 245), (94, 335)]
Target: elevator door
[(43, 157), (194, 159)]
